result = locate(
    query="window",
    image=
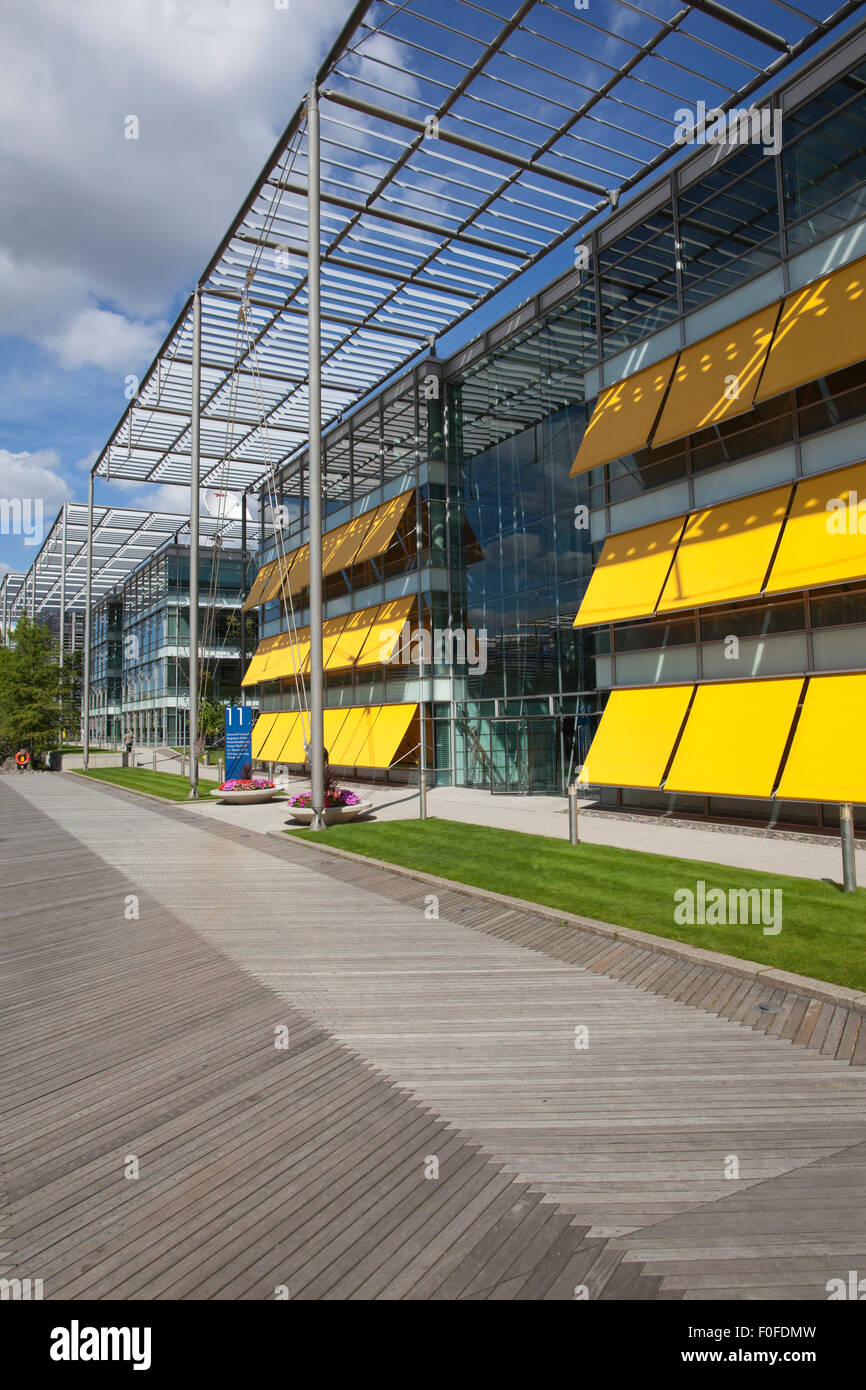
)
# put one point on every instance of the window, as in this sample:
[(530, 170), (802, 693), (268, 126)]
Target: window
[(729, 226)]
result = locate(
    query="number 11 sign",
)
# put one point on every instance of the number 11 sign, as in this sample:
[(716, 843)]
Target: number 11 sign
[(239, 732)]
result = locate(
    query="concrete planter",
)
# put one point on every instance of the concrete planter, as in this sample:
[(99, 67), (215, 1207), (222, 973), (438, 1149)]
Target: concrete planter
[(248, 797), (333, 815)]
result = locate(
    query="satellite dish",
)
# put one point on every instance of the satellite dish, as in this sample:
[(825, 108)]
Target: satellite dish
[(226, 505)]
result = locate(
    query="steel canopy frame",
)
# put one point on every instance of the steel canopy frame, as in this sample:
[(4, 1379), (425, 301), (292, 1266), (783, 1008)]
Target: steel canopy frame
[(122, 538), (460, 143)]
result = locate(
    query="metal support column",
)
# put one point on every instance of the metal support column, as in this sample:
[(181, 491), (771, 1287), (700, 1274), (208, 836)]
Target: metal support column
[(849, 867), (88, 599), (63, 587), (573, 837), (422, 733), (314, 329), (194, 431), (243, 616)]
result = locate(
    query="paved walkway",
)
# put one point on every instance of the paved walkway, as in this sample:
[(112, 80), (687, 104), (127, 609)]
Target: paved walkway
[(430, 1129), (546, 815)]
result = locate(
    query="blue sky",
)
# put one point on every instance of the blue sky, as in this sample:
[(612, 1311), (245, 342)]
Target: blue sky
[(101, 237)]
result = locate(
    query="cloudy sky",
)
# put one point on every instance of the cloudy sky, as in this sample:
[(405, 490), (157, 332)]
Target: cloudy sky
[(101, 237)]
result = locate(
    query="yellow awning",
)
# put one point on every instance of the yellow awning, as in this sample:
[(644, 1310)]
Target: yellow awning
[(821, 330), (386, 735), (255, 672), (340, 547), (383, 635), (822, 542), (288, 655), (253, 598), (827, 761), (274, 587), (624, 416), (261, 729), (386, 519), (716, 378), (299, 574), (630, 573), (349, 739), (275, 738), (347, 644), (331, 630), (334, 719), (734, 738), (294, 749), (725, 551), (278, 737), (634, 740)]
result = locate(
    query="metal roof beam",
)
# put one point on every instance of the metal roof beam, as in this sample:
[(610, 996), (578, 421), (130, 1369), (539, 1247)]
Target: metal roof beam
[(450, 137), (745, 26), (416, 223)]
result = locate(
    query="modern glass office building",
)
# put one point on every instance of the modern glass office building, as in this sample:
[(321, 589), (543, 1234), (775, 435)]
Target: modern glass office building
[(140, 645), (714, 333)]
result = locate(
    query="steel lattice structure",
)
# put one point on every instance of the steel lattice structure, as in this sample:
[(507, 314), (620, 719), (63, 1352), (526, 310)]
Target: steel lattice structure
[(460, 144)]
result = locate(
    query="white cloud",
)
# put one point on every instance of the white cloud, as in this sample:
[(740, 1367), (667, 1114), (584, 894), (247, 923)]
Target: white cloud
[(105, 235), (36, 476), (98, 338)]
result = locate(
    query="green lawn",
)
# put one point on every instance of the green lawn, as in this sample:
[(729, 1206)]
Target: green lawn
[(169, 785), (823, 930)]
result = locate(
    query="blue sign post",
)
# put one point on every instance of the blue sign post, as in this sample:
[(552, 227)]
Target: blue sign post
[(239, 733)]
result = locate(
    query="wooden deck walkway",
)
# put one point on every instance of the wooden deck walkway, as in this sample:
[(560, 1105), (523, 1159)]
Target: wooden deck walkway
[(410, 1040)]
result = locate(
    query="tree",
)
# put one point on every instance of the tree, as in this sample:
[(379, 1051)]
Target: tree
[(211, 719), (37, 699)]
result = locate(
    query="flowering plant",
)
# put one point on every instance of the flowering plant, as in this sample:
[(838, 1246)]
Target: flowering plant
[(337, 796), (246, 784)]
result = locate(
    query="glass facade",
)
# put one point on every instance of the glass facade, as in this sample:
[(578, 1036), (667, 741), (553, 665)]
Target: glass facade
[(140, 646), (501, 541)]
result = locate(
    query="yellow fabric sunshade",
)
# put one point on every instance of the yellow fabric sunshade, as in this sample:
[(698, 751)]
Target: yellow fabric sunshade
[(340, 547), (291, 748), (633, 742), (734, 738), (274, 586), (255, 672), (334, 719), (350, 737), (261, 729), (331, 630), (344, 647), (288, 655), (822, 329), (702, 392), (275, 739), (299, 574), (827, 761), (630, 573), (358, 736), (623, 417), (725, 551), (821, 542), (253, 598), (258, 666), (386, 519), (383, 636), (386, 735)]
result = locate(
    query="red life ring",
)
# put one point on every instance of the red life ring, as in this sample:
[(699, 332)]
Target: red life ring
[(22, 758)]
